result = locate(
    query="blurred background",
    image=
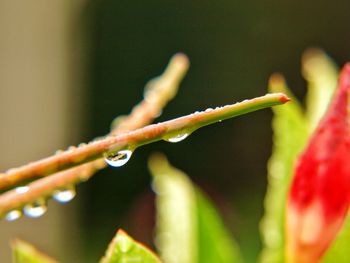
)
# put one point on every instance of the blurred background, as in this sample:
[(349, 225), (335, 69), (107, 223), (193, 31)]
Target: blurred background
[(67, 69)]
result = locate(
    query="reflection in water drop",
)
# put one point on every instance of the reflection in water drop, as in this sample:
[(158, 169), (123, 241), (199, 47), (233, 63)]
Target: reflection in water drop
[(13, 215), (36, 209), (178, 138), (118, 159), (21, 189), (64, 195)]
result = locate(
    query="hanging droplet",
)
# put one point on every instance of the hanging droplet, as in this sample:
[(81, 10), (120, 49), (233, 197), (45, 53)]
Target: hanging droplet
[(22, 189), (36, 209), (13, 215), (177, 138), (64, 195), (118, 159)]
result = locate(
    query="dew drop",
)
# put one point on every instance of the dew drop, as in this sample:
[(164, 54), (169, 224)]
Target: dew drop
[(64, 195), (177, 138), (58, 152), (208, 110), (13, 215), (22, 189), (71, 148), (36, 209), (118, 159)]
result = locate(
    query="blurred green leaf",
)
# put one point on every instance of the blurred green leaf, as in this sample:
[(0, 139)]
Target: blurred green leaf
[(24, 252), (176, 233), (215, 242), (290, 134), (321, 74), (189, 229), (124, 249)]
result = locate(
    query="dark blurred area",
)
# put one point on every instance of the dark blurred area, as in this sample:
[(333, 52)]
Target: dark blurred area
[(233, 47)]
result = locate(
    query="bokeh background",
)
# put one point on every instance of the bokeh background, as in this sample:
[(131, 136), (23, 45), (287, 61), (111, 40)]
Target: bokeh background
[(68, 69)]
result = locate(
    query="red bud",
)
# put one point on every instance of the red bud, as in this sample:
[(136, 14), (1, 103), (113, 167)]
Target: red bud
[(320, 191)]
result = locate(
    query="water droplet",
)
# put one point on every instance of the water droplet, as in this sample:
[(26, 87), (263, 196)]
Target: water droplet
[(58, 152), (64, 195), (22, 189), (178, 138), (208, 110), (71, 148), (13, 215), (36, 209), (118, 159)]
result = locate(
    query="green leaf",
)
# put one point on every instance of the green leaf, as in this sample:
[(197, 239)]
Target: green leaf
[(321, 74), (24, 252), (189, 229), (290, 134), (176, 230), (124, 249), (215, 242)]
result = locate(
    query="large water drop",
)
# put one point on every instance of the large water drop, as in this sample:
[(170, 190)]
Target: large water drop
[(118, 159), (13, 215), (36, 209), (177, 138), (64, 195)]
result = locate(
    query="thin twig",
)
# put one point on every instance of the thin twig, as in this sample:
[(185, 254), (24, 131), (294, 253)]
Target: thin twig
[(158, 92), (136, 138)]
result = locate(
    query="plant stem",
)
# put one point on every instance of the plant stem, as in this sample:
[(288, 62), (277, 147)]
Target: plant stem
[(158, 92), (134, 139)]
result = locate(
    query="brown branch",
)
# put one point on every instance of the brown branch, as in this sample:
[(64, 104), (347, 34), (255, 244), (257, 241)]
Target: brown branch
[(136, 138), (158, 92)]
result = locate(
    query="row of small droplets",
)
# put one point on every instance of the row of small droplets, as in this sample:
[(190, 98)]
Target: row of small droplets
[(39, 207)]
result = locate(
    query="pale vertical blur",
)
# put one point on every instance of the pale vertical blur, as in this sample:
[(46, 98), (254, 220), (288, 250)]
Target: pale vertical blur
[(39, 81)]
